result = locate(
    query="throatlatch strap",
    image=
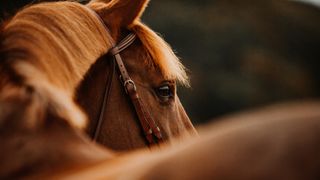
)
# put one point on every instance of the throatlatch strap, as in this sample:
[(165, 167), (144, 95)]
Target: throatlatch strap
[(104, 102)]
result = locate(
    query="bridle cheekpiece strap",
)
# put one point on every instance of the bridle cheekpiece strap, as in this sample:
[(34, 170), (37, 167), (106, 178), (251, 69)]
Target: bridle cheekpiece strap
[(151, 130)]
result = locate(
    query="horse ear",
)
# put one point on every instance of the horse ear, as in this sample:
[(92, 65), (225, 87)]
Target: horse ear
[(121, 12)]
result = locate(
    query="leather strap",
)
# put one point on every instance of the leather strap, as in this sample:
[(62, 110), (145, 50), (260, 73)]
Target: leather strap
[(105, 100), (151, 130)]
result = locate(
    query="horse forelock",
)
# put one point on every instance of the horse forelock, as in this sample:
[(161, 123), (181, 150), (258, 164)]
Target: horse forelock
[(161, 53)]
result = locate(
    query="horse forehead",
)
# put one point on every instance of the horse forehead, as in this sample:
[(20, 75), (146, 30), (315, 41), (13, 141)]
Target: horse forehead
[(140, 65)]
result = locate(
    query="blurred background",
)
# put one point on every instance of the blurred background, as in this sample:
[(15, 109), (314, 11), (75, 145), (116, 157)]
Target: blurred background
[(240, 53)]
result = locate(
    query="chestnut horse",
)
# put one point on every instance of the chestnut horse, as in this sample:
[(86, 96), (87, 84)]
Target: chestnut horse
[(41, 128), (49, 55)]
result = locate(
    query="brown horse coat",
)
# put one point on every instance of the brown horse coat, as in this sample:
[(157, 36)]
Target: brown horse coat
[(277, 142)]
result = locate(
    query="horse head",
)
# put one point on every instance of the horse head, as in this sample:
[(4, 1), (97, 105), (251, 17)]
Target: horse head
[(151, 64)]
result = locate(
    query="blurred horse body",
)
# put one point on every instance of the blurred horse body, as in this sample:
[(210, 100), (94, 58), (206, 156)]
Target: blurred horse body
[(276, 142)]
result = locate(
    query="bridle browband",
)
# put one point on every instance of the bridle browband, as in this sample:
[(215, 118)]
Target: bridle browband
[(151, 130)]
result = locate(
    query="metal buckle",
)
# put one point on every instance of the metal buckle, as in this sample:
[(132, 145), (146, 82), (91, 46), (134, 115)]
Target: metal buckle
[(150, 131), (129, 81)]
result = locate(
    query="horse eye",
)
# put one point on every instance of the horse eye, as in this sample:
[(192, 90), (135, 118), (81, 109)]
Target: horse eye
[(164, 92)]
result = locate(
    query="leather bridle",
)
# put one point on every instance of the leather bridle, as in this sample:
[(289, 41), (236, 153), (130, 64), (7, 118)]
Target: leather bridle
[(151, 130)]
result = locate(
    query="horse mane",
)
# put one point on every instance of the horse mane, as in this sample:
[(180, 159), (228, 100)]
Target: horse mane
[(63, 29), (50, 46), (161, 53)]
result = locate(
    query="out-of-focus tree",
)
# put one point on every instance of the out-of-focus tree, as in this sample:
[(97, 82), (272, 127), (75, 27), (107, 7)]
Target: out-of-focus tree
[(242, 53)]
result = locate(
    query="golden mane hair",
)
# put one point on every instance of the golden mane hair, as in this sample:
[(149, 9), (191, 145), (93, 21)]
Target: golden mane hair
[(50, 46), (161, 53)]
